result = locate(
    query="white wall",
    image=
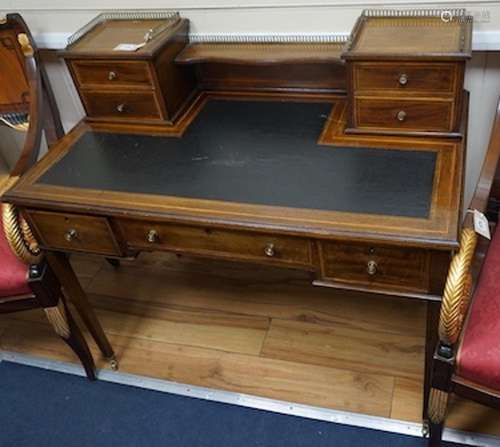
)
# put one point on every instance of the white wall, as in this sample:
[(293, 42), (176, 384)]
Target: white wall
[(52, 21)]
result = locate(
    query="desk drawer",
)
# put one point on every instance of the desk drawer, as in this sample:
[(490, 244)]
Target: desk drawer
[(112, 74), (121, 104), (405, 269), (405, 78), (211, 242), (404, 114), (74, 232)]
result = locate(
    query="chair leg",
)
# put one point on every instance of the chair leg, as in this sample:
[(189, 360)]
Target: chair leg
[(438, 402), (64, 325), (61, 266), (435, 434), (47, 290), (431, 340)]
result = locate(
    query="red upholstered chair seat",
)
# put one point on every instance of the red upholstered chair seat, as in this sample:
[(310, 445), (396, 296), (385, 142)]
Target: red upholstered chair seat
[(13, 272), (478, 358)]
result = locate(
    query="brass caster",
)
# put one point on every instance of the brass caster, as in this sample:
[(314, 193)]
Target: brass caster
[(425, 429), (113, 363)]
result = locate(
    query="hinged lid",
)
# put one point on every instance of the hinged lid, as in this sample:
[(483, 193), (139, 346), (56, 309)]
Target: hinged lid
[(411, 34)]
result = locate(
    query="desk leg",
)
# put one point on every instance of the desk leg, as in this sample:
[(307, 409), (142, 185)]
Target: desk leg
[(64, 272), (433, 310)]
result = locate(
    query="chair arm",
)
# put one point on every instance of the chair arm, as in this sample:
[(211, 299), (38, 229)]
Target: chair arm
[(17, 231), (457, 290)]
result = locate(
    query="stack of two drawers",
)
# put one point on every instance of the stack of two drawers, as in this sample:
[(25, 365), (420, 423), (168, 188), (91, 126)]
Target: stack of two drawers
[(118, 89), (406, 97), (406, 74), (128, 86)]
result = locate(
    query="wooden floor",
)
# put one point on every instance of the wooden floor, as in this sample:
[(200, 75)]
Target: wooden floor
[(254, 330)]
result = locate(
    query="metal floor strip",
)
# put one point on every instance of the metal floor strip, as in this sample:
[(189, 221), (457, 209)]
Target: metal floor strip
[(261, 403)]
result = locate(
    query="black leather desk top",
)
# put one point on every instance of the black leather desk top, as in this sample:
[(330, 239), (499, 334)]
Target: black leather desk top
[(253, 152)]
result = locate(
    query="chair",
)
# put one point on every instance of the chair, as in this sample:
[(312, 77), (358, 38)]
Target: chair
[(467, 359), (27, 280)]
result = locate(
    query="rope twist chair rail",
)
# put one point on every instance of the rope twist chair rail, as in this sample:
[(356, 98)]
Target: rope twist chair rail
[(17, 231)]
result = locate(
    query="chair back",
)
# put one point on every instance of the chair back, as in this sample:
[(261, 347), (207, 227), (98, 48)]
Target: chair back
[(15, 91), (487, 195), (27, 102)]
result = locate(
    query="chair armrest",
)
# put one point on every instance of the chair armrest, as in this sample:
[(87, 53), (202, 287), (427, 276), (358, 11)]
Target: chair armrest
[(17, 231), (457, 290), (462, 271)]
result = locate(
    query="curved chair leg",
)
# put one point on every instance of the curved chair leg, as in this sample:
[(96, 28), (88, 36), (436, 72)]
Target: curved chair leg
[(438, 402), (64, 325), (47, 291), (61, 266)]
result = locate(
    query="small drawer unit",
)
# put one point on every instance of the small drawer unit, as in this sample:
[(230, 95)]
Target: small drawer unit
[(375, 266), (218, 243), (406, 74), (74, 232), (123, 85)]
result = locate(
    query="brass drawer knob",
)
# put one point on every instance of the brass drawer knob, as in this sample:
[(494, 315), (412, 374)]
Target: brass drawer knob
[(371, 268), (269, 250), (112, 75), (120, 108), (403, 79), (71, 235), (401, 116), (152, 236)]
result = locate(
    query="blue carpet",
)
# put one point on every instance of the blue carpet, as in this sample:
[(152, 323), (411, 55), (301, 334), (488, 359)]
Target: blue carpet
[(46, 408)]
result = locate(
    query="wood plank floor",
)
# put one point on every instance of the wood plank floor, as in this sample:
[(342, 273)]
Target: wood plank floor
[(254, 330)]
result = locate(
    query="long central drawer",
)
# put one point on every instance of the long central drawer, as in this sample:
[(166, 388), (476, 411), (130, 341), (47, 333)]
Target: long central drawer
[(241, 245)]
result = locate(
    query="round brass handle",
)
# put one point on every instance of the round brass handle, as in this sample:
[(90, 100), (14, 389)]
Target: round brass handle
[(371, 268), (401, 116), (120, 108), (112, 75), (403, 79), (269, 250), (152, 236), (71, 235)]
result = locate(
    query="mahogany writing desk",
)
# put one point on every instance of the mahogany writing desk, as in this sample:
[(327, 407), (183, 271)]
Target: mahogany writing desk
[(256, 179), (255, 164)]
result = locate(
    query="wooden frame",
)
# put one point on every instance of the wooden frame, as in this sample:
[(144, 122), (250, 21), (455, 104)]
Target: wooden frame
[(444, 380)]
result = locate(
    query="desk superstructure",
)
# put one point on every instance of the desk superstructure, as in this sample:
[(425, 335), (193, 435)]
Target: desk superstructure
[(344, 159)]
